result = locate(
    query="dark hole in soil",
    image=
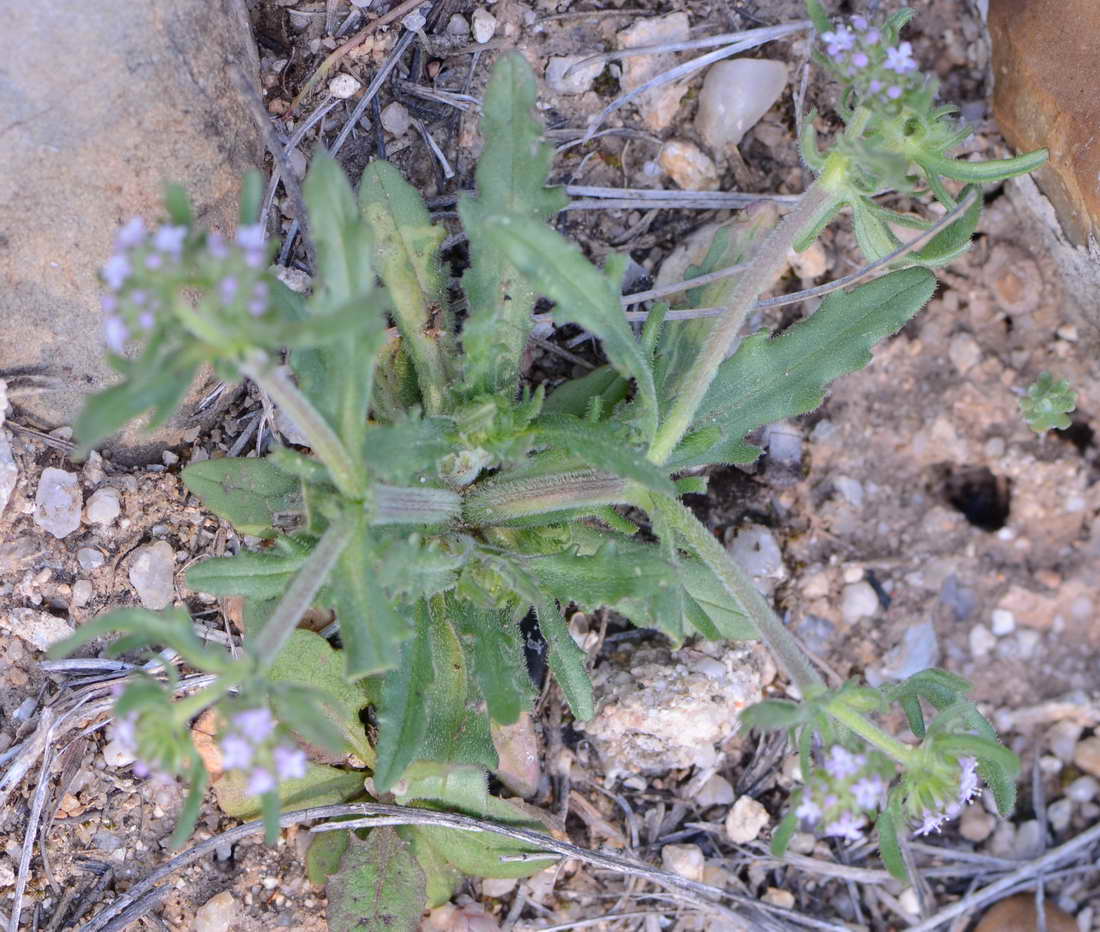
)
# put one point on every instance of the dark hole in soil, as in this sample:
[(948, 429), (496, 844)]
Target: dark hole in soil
[(534, 649), (1079, 434), (981, 497)]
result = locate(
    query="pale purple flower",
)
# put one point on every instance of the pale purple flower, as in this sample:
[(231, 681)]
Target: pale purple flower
[(154, 260), (867, 791), (808, 810), (258, 305), (848, 826), (872, 37), (123, 731), (141, 769), (930, 822), (860, 22), (254, 258), (255, 724), (840, 40), (968, 782), (115, 271), (901, 59), (227, 289), (260, 781), (251, 237), (860, 60), (147, 320), (115, 334), (170, 240), (875, 86), (130, 234), (893, 92), (139, 297), (840, 763), (215, 245), (236, 753), (108, 303), (290, 763)]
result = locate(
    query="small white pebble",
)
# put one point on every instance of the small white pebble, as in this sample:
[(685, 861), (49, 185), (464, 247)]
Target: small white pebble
[(685, 860), (746, 820), (981, 641), (343, 86), (1002, 622), (485, 25)]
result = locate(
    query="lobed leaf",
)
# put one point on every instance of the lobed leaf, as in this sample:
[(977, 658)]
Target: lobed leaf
[(511, 179)]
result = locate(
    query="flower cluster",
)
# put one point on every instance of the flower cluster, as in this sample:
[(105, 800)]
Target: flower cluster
[(149, 267), (863, 58), (842, 795), (943, 795), (249, 745), (124, 734)]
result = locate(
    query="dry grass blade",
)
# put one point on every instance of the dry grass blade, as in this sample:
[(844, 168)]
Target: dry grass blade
[(758, 37)]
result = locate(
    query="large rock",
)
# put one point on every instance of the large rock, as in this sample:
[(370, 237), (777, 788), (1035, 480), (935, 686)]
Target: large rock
[(103, 103), (1046, 74)]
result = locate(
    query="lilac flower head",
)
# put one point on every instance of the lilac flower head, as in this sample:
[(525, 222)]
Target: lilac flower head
[(154, 260), (968, 782), (901, 59), (930, 822), (227, 289), (130, 234), (236, 753), (808, 810), (860, 22), (841, 763), (893, 92), (251, 237), (139, 296), (147, 320), (254, 258), (839, 40), (255, 724), (170, 240), (848, 826), (290, 763), (258, 305), (215, 245), (867, 791), (115, 334), (860, 60), (141, 769), (123, 731), (871, 37), (108, 303), (875, 86), (259, 782), (115, 271)]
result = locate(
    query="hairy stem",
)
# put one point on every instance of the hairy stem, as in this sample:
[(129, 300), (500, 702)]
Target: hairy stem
[(769, 625), (322, 438), (301, 592), (765, 267), (498, 502), (871, 733), (414, 505)]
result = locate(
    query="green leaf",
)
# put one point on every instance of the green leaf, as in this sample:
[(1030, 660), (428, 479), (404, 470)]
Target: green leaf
[(259, 575), (401, 711), (464, 790), (989, 171), (888, 824), (247, 493), (321, 786), (177, 204), (406, 255), (567, 661), (159, 380), (511, 179), (1048, 403), (769, 379), (442, 878), (783, 834), (575, 396), (313, 698), (609, 577), (817, 14), (371, 629), (772, 715), (324, 854), (584, 295), (379, 887), (493, 645), (602, 447), (952, 241), (252, 196), (170, 628), (401, 451)]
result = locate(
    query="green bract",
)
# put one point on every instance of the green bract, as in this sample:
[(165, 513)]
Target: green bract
[(443, 501)]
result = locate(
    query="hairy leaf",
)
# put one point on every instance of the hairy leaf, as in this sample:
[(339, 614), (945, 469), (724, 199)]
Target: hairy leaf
[(511, 179), (584, 295), (170, 628), (406, 255), (313, 697), (321, 786), (1048, 404), (398, 452), (603, 385), (567, 661), (493, 645), (247, 493), (324, 854), (379, 886), (256, 575), (769, 379)]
